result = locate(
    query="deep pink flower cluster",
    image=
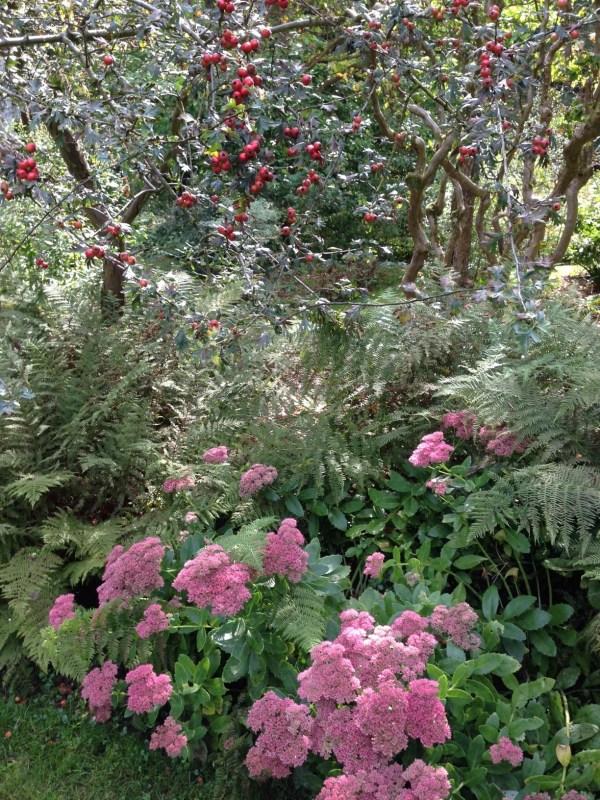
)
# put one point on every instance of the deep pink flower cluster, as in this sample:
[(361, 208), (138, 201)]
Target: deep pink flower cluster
[(505, 443), (97, 687), (178, 484), (439, 485), (573, 794), (537, 796), (368, 702), (155, 620), (283, 554), (255, 478), (170, 737), (216, 455), (457, 623), (146, 689), (283, 742), (462, 422), (432, 449), (373, 565), (213, 581), (132, 573), (63, 608), (505, 750)]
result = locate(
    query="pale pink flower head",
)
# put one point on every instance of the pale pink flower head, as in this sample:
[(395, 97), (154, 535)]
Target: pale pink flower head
[(63, 608), (216, 455), (284, 729), (425, 714), (132, 573), (155, 620), (97, 688), (505, 443), (212, 581), (373, 565), (409, 622), (505, 750), (427, 783), (330, 676), (457, 623), (147, 689), (170, 737), (432, 449), (438, 485), (462, 422), (255, 478), (191, 516), (178, 484), (283, 554), (381, 715)]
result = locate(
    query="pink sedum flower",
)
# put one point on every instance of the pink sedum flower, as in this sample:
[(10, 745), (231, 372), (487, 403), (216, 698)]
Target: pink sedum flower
[(283, 554), (427, 783), (97, 688), (216, 455), (462, 422), (426, 715), (178, 484), (170, 737), (191, 516), (505, 750), (256, 478), (432, 449), (155, 620), (373, 565), (147, 689), (212, 581), (457, 623), (132, 573), (331, 675), (63, 608), (438, 485)]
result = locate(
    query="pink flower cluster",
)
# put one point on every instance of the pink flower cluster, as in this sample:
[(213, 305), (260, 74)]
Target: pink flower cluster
[(373, 565), (255, 478), (505, 750), (213, 581), (456, 623), (499, 441), (439, 485), (132, 573), (191, 516), (283, 741), (432, 449), (170, 737), (283, 554), (216, 455), (178, 484), (369, 701), (97, 687), (62, 609), (146, 689), (462, 422), (155, 620)]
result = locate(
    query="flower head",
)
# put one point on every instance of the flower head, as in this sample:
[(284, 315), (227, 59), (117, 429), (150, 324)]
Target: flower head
[(373, 565), (216, 455), (146, 689), (155, 620), (97, 687), (212, 581), (505, 750), (62, 609), (132, 573), (432, 449), (255, 478), (170, 737), (283, 554)]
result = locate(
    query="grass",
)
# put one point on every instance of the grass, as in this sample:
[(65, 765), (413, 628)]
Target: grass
[(49, 752)]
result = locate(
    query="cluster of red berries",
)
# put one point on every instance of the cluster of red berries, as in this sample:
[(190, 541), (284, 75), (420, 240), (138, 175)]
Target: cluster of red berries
[(27, 168), (263, 176), (377, 167), (251, 46), (247, 78), (95, 251), (293, 133), (291, 220), (226, 6), (186, 200), (127, 258), (408, 24), (485, 70), (229, 39), (458, 4), (466, 152), (250, 151), (214, 59), (370, 216), (113, 230), (438, 14), (356, 123), (220, 163), (311, 178), (39, 262), (283, 4), (5, 189), (497, 48), (540, 145), (314, 151), (241, 217), (226, 231), (494, 13)]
